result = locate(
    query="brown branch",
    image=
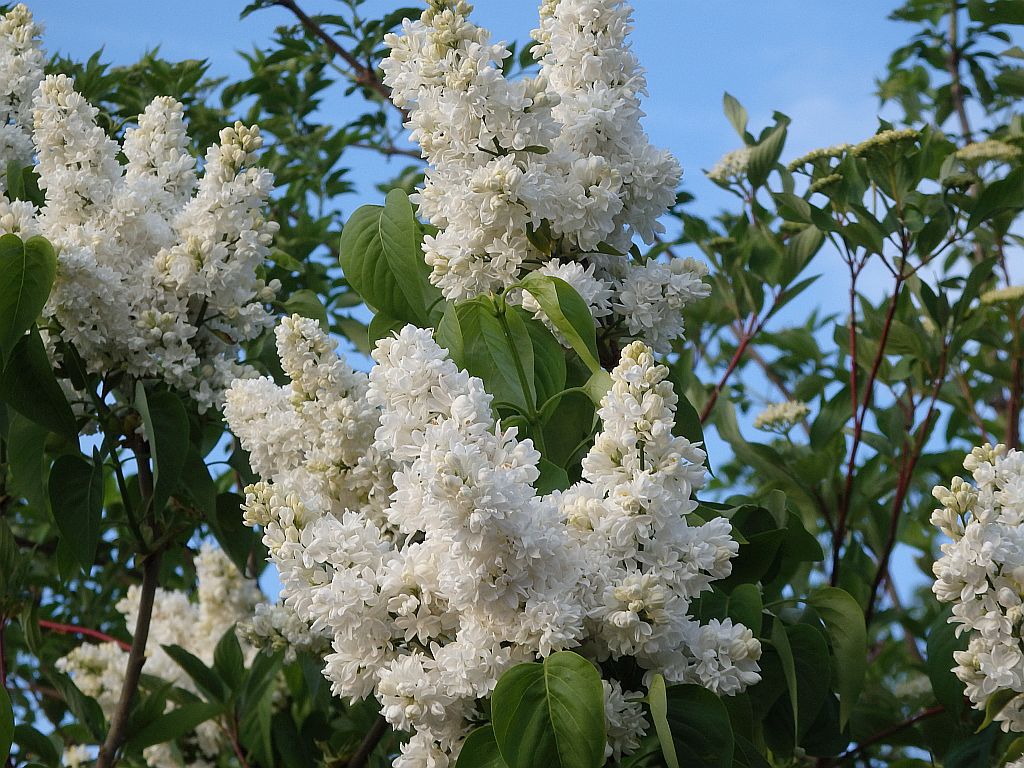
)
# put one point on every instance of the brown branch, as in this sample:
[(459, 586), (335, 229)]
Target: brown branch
[(71, 629), (370, 742), (361, 74), (1016, 389), (956, 89), (388, 151), (136, 659)]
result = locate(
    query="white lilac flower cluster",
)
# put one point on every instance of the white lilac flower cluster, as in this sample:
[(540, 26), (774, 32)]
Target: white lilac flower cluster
[(406, 527), (981, 572), (21, 61), (551, 172), (224, 597), (157, 270)]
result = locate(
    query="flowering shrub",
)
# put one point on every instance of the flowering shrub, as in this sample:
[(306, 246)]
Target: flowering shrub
[(533, 525)]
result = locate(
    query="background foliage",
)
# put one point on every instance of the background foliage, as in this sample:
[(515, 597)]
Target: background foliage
[(899, 389)]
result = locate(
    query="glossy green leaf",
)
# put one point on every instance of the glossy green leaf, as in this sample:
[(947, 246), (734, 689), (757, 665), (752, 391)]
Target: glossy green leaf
[(701, 730), (550, 714), (844, 622), (568, 312), (382, 260), (480, 750), (27, 272), (174, 724), (76, 498), (657, 699), (306, 303), (167, 432), (29, 386)]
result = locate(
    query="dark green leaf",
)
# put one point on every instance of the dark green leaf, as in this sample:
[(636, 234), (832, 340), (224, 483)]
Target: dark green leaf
[(844, 622), (174, 724), (206, 679), (306, 303), (700, 727), (167, 432), (29, 386), (76, 498), (480, 750), (6, 725), (1005, 194)]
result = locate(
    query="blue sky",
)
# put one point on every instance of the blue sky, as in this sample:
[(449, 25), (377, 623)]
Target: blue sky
[(816, 61)]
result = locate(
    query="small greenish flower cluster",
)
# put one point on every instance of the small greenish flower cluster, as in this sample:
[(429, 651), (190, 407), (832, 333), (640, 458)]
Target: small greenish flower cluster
[(1005, 295), (731, 167), (781, 417), (820, 159), (884, 140), (990, 150)]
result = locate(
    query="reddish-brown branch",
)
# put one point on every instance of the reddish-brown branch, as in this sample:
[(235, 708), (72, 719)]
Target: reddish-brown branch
[(233, 738), (903, 488), (754, 328), (388, 151), (892, 730), (859, 416), (361, 74), (71, 629)]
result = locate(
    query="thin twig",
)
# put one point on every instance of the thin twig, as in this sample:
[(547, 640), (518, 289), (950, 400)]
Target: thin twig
[(903, 488), (859, 417), (755, 327), (389, 150), (71, 629), (890, 731)]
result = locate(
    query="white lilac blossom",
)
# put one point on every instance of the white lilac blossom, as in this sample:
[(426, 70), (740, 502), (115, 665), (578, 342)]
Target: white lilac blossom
[(551, 165), (651, 299), (157, 270), (21, 62), (223, 598), (407, 530), (981, 572)]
